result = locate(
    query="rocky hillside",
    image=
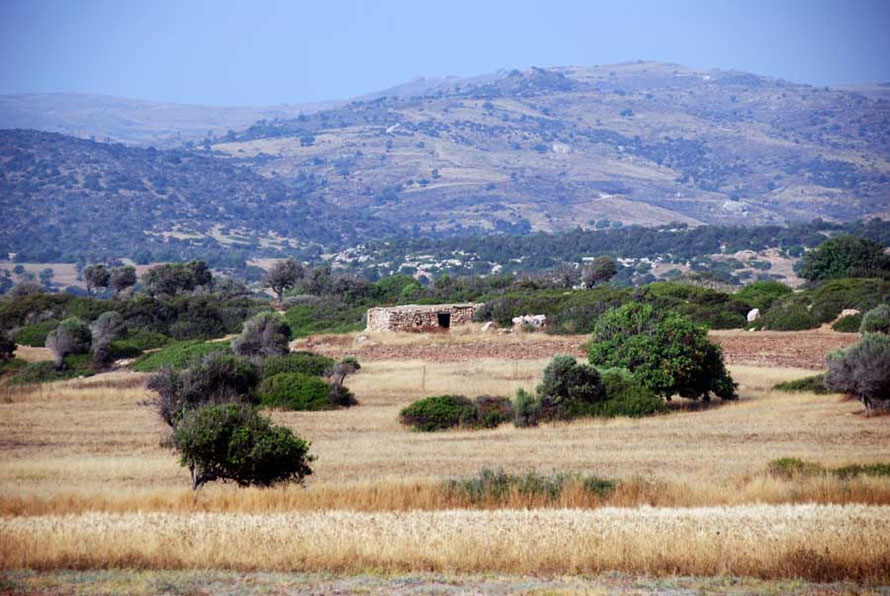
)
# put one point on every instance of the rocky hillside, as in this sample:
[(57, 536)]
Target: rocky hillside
[(543, 149)]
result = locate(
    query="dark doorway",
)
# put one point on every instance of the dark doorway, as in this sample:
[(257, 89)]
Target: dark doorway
[(444, 320)]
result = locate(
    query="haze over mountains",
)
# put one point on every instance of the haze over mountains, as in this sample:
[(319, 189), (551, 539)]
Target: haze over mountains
[(542, 149)]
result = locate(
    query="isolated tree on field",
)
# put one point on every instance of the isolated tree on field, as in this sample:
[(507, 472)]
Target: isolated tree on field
[(845, 256), (862, 371), (266, 334), (106, 328), (72, 336), (122, 278), (282, 276), (601, 270), (233, 442), (666, 352), (96, 276)]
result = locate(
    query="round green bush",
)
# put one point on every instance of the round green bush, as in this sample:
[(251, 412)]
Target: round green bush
[(790, 318), (305, 363), (877, 320), (295, 391), (232, 442), (439, 413), (35, 335), (762, 294), (492, 411), (848, 324), (625, 396)]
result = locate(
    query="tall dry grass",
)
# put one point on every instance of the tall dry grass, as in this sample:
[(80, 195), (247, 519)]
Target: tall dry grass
[(824, 543), (394, 495)]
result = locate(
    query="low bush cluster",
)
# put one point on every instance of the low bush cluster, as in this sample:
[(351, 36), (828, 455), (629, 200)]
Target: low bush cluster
[(296, 391), (179, 355), (814, 384), (496, 486), (877, 320), (791, 467), (862, 371)]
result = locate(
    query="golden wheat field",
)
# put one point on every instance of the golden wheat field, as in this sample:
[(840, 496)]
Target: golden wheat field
[(86, 484)]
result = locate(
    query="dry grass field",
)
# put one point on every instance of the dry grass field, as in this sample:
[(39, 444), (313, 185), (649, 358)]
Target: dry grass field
[(85, 483)]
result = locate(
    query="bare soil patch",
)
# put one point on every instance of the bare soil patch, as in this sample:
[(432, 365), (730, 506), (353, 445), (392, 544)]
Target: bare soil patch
[(797, 349)]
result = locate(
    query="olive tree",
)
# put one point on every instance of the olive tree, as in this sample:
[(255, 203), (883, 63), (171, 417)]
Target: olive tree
[(234, 443), (72, 336), (862, 371), (282, 276), (266, 334), (107, 327), (600, 270), (96, 276), (122, 278)]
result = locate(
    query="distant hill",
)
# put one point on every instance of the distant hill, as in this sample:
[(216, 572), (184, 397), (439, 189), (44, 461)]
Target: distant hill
[(543, 149), (132, 121)]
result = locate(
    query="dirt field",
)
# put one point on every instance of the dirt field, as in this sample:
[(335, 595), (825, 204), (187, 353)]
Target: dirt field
[(802, 349)]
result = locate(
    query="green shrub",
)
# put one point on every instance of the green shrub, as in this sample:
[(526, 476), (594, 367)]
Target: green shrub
[(665, 352), (295, 391), (324, 316), (863, 371), (877, 320), (179, 355), (75, 365), (791, 467), (848, 324), (569, 389), (788, 318), (814, 384), (7, 347), (492, 411), (216, 378), (306, 363), (526, 409), (142, 339), (235, 443), (762, 294), (625, 396), (35, 335), (496, 486), (439, 413), (266, 334), (833, 296), (11, 365)]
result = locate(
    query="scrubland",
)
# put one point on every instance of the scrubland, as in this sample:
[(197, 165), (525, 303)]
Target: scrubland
[(85, 483)]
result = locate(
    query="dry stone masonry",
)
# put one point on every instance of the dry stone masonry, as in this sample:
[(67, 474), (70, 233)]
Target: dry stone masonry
[(414, 317)]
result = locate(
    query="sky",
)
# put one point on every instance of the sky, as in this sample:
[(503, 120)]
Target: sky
[(262, 52)]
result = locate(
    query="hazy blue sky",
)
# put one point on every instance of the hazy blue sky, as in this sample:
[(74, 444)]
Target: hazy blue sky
[(250, 53)]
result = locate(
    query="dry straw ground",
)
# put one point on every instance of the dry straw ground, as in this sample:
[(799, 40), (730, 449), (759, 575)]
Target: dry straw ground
[(90, 448)]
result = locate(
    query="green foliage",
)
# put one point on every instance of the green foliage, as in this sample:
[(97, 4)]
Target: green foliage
[(305, 363), (71, 336), (35, 335), (282, 276), (863, 371), (791, 467), (814, 384), (526, 409), (173, 278), (845, 256), (324, 316), (235, 443), (625, 396), (569, 389), (73, 366), (497, 486), (492, 411), (665, 352), (266, 334), (439, 413), (11, 365), (7, 347), (179, 355), (848, 324), (296, 391), (217, 378), (141, 340), (788, 317), (877, 320), (762, 294), (829, 298)]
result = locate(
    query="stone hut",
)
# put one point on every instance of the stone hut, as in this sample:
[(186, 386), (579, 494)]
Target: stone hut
[(413, 317)]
